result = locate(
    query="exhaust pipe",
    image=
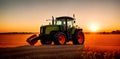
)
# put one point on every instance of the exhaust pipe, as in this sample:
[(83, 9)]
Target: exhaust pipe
[(52, 20)]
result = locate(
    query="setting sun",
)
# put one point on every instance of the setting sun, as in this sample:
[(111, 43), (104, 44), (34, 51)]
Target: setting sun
[(94, 28)]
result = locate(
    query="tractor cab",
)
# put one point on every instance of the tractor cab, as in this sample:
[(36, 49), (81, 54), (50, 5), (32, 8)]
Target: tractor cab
[(65, 21)]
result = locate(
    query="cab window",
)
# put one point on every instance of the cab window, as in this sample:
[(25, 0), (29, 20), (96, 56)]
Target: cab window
[(70, 24)]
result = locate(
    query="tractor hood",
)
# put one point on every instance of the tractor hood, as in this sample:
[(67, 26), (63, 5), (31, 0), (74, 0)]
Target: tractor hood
[(47, 29)]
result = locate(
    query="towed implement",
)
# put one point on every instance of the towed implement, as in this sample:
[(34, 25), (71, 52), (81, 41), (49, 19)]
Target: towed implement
[(60, 31)]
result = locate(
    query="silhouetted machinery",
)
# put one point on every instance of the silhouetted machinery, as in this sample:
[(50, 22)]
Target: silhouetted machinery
[(60, 31)]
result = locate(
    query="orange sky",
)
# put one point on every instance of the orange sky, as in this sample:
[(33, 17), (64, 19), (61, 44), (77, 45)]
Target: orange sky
[(29, 15)]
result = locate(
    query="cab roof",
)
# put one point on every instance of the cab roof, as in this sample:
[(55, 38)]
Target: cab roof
[(64, 18)]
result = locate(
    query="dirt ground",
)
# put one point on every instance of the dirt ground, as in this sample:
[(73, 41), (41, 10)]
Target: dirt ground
[(56, 52)]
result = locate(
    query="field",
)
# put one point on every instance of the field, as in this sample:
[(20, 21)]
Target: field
[(96, 46), (58, 52)]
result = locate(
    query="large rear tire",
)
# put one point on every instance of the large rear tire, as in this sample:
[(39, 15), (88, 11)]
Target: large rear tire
[(59, 38), (78, 38)]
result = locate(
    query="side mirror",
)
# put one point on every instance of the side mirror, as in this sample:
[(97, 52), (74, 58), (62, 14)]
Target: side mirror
[(74, 21)]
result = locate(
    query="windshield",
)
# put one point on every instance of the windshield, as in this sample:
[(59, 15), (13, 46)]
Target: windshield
[(60, 22), (69, 23)]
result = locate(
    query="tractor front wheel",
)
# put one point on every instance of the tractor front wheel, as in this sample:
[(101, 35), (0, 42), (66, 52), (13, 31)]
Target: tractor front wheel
[(59, 38)]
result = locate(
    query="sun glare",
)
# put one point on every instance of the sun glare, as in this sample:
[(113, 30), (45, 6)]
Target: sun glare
[(94, 28)]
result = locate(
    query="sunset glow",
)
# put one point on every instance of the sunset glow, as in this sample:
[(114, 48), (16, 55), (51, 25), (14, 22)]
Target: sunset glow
[(94, 28), (29, 15)]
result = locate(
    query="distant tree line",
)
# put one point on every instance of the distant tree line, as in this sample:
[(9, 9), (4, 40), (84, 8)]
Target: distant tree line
[(112, 32), (116, 32)]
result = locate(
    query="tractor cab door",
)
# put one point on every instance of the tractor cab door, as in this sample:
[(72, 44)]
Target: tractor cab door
[(69, 28)]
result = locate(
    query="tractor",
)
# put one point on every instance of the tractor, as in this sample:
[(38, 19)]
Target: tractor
[(60, 31)]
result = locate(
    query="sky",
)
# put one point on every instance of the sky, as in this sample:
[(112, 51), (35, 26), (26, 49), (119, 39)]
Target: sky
[(29, 15)]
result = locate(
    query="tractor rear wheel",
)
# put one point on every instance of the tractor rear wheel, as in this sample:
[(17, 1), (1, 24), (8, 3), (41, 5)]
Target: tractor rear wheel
[(46, 42), (59, 38), (78, 38)]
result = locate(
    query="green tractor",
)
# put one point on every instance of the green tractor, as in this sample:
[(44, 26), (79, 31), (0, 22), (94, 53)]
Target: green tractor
[(60, 31)]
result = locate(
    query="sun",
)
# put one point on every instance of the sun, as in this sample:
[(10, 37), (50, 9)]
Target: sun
[(94, 28)]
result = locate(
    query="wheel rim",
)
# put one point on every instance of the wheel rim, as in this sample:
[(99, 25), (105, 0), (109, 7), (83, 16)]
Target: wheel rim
[(80, 38), (61, 39)]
